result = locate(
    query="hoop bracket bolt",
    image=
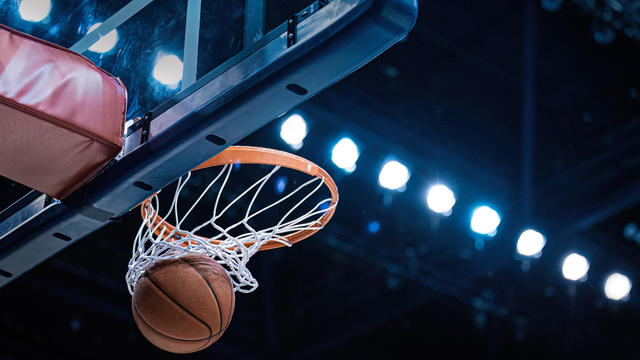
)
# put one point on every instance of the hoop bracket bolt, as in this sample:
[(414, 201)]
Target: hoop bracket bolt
[(146, 128), (292, 30)]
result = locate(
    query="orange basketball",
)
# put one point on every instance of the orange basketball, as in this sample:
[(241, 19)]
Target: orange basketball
[(183, 305)]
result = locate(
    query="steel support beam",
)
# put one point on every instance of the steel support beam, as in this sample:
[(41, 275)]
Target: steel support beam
[(253, 21), (191, 37), (528, 111)]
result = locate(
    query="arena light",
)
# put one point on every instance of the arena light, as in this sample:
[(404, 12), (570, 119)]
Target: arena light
[(394, 175), (345, 154), (294, 130), (530, 243), (34, 10), (106, 43), (617, 287), (281, 185), (485, 221), (575, 267), (440, 199), (373, 226), (168, 70)]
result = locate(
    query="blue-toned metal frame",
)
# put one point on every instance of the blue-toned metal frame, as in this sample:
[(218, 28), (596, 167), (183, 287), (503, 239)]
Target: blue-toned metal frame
[(264, 81)]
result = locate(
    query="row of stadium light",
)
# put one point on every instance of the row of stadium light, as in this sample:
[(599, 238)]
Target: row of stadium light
[(440, 199), (393, 176)]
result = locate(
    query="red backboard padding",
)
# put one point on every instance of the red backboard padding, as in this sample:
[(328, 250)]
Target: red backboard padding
[(61, 116)]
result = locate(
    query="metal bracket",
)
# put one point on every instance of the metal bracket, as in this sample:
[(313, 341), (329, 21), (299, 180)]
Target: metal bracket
[(48, 201), (94, 213), (292, 30), (146, 128)]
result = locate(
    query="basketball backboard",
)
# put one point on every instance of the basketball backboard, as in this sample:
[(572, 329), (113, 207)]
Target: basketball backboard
[(201, 76)]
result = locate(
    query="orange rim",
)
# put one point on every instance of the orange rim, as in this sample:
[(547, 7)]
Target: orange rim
[(263, 156)]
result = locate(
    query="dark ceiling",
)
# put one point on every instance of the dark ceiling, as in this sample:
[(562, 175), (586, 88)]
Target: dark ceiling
[(455, 101)]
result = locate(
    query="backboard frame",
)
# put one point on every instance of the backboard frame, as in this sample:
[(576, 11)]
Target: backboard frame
[(239, 97)]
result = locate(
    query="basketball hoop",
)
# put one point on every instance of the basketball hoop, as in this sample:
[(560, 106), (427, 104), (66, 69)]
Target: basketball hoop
[(232, 246)]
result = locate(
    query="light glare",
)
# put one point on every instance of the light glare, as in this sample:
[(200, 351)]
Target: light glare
[(106, 43), (34, 10), (294, 130), (530, 243), (485, 220), (168, 70), (373, 226), (575, 267), (345, 154), (617, 287), (440, 199), (393, 176), (281, 184)]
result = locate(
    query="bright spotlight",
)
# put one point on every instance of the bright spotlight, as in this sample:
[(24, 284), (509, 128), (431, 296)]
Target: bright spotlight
[(106, 43), (168, 70), (393, 176), (530, 243), (345, 154), (34, 10), (294, 130), (575, 267), (617, 287), (485, 220), (440, 199)]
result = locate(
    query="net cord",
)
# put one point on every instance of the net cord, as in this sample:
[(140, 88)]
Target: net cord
[(232, 251)]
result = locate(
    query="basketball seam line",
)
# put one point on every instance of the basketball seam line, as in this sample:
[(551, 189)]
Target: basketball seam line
[(222, 329), (180, 306), (165, 335), (206, 344)]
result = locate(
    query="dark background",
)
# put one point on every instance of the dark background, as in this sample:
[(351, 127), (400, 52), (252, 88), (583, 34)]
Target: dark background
[(533, 107)]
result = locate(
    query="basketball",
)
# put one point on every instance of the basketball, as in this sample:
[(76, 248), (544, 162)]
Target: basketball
[(183, 305)]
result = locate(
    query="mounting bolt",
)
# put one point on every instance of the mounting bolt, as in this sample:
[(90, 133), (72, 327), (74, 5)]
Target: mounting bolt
[(146, 128), (292, 28)]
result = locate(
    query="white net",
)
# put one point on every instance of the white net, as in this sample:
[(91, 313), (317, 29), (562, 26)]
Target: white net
[(232, 245)]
